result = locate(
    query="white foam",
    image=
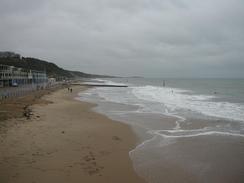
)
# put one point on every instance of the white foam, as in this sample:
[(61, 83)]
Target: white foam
[(116, 95), (170, 136), (176, 99), (199, 134), (104, 82)]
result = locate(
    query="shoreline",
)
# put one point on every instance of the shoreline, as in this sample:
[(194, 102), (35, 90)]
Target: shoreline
[(171, 150), (66, 141)]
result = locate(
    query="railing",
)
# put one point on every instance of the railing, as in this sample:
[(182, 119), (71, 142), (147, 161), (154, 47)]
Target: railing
[(12, 92)]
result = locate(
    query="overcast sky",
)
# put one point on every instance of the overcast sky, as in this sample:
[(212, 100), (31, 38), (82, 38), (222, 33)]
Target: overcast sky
[(152, 38)]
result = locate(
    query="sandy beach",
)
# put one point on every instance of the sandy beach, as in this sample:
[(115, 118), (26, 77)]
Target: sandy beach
[(65, 141)]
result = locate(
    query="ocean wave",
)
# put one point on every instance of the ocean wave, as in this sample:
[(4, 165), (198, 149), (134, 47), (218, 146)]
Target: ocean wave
[(177, 99)]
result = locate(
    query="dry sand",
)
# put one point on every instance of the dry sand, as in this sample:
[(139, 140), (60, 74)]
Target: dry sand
[(64, 141)]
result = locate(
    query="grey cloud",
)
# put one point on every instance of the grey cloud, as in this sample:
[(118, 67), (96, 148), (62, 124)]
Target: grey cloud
[(174, 38)]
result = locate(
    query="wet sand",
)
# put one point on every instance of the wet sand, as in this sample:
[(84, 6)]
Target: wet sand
[(64, 141), (203, 159), (183, 153)]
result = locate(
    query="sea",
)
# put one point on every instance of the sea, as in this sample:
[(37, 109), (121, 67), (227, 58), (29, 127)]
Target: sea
[(189, 130)]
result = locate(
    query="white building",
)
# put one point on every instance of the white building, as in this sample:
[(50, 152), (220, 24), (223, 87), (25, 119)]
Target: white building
[(15, 76)]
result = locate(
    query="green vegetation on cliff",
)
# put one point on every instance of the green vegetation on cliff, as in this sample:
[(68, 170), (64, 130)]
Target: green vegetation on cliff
[(52, 70)]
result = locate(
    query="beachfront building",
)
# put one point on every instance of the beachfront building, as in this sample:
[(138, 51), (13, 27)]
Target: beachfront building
[(15, 76)]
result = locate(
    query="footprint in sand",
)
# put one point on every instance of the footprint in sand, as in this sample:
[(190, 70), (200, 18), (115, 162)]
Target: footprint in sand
[(91, 167), (116, 138)]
